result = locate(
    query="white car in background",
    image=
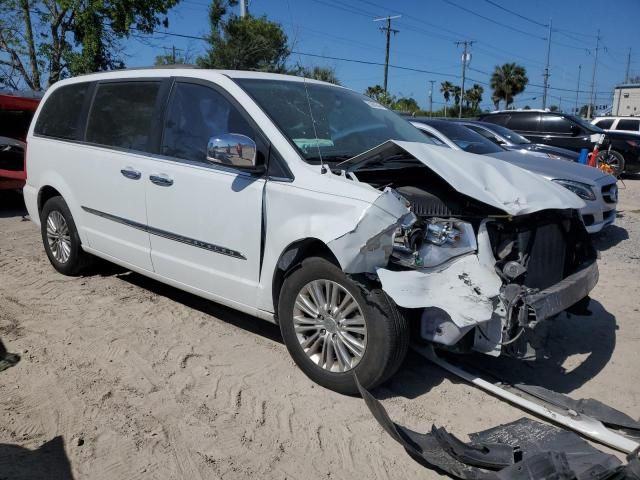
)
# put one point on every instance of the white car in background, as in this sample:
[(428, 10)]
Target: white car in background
[(626, 124), (305, 204)]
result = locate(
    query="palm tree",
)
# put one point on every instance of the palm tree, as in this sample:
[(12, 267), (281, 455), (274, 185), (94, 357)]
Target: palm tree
[(507, 81), (473, 96), (446, 88), (457, 94)]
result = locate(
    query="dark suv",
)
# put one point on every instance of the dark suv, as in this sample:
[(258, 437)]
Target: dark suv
[(573, 133)]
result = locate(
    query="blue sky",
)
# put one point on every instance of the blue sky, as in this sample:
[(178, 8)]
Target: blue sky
[(426, 41)]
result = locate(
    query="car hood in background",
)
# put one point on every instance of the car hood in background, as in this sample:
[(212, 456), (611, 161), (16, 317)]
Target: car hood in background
[(491, 181), (553, 169)]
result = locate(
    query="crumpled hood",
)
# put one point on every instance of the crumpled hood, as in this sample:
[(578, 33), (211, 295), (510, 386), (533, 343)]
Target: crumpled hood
[(553, 169), (489, 180)]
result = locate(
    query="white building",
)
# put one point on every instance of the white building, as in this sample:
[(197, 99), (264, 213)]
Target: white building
[(626, 100)]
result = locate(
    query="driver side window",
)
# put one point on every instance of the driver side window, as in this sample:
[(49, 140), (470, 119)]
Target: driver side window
[(195, 114)]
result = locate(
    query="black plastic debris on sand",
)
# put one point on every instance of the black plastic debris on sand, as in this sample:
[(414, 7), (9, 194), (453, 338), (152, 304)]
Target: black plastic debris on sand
[(522, 450), (7, 359)]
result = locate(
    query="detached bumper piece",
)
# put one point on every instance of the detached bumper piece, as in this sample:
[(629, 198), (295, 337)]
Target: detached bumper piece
[(564, 294), (521, 450)]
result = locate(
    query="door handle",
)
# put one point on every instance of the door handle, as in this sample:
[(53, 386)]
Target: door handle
[(131, 173), (161, 179)]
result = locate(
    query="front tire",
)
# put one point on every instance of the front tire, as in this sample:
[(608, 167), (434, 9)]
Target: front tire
[(333, 328), (60, 238)]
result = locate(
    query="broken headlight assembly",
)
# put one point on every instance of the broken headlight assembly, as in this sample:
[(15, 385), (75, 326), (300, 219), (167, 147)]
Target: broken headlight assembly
[(583, 190), (432, 242)]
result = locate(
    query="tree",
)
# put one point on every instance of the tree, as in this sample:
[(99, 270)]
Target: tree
[(325, 74), (446, 88), (243, 43), (43, 41), (554, 108), (473, 96), (457, 95), (379, 95), (406, 104), (507, 81), (174, 57), (585, 108)]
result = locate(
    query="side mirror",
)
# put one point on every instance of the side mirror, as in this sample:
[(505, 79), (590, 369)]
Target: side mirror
[(234, 150), (575, 130)]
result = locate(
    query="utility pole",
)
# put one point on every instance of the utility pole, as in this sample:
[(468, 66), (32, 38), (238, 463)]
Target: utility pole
[(546, 69), (388, 31), (465, 59), (243, 8), (431, 98), (593, 78), (626, 73), (578, 89), (173, 55)]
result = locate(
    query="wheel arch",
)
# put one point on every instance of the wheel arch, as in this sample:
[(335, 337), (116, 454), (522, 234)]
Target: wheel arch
[(291, 258), (45, 193)]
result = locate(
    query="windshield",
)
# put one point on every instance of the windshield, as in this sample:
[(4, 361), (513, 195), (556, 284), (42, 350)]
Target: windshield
[(589, 127), (467, 139), (510, 135), (346, 123)]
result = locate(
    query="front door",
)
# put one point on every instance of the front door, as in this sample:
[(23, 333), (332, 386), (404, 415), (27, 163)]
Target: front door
[(204, 219)]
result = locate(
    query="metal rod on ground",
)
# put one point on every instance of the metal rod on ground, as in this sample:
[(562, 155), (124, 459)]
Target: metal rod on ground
[(587, 426), (387, 29), (546, 70), (593, 78)]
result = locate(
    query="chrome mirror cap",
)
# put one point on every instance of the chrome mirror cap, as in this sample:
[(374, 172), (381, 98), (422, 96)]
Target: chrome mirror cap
[(232, 149)]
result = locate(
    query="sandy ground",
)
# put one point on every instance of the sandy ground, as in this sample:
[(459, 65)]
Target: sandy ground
[(124, 378)]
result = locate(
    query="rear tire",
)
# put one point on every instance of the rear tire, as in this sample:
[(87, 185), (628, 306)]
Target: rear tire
[(373, 323), (60, 238), (614, 159)]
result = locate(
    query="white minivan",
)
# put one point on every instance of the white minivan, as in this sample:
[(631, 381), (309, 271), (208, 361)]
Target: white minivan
[(308, 205)]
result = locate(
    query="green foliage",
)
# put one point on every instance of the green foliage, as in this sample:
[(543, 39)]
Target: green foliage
[(507, 81), (324, 74), (554, 108), (54, 39), (243, 43), (174, 57), (406, 104), (379, 95), (473, 96)]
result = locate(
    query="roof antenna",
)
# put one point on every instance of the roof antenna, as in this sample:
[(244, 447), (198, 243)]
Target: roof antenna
[(323, 168)]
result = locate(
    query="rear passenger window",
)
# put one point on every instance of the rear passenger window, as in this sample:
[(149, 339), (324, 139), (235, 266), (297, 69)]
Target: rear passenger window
[(555, 124), (526, 122), (605, 123), (628, 124), (499, 119), (122, 114), (60, 115), (195, 114)]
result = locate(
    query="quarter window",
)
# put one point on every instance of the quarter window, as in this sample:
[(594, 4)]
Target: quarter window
[(60, 115), (122, 115), (195, 114), (524, 122), (628, 124)]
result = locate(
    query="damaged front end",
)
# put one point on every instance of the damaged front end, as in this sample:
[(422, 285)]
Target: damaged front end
[(479, 272)]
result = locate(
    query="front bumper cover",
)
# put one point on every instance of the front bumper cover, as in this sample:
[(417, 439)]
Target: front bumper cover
[(557, 298)]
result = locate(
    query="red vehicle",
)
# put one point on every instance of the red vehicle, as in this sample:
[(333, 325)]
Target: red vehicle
[(16, 112)]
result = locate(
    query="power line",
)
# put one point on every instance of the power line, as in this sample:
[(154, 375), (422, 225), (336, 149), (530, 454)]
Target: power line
[(515, 13), (504, 25)]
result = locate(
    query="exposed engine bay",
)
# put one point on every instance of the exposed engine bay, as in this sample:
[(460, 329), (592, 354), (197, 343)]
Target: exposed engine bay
[(502, 271)]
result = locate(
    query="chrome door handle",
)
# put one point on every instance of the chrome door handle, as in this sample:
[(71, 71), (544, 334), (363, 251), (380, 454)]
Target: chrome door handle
[(161, 179), (131, 173)]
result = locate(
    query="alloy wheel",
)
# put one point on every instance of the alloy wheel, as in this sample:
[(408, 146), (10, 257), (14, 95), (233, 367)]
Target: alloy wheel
[(330, 326), (58, 236)]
